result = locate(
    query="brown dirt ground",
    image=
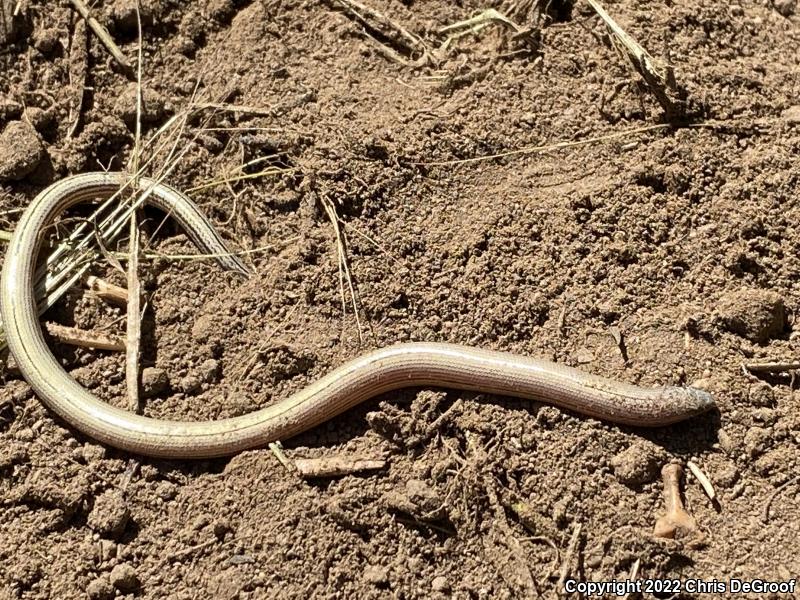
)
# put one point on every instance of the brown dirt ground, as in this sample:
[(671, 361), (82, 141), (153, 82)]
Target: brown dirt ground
[(668, 237)]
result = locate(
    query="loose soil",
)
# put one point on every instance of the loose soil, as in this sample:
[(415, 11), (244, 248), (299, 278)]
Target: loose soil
[(665, 256)]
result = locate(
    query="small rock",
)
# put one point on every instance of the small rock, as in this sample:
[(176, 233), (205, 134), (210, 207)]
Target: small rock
[(110, 514), (154, 381), (726, 442), (221, 528), (21, 151), (785, 8), (46, 40), (24, 435), (761, 395), (756, 441), (376, 575), (166, 490), (727, 475), (209, 370), (154, 106), (439, 584), (11, 454), (190, 384), (221, 10), (755, 314), (638, 464), (792, 115), (100, 589), (767, 416), (124, 578)]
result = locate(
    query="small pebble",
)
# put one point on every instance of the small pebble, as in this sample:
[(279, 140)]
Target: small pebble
[(155, 381), (24, 435), (110, 514), (760, 394), (124, 18), (124, 578), (439, 584), (221, 528), (108, 550), (21, 151), (726, 442), (100, 589), (166, 490), (376, 575)]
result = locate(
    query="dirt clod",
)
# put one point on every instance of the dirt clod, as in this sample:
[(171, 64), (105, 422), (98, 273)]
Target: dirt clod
[(46, 40), (377, 575), (110, 514), (638, 464), (154, 106), (155, 381), (124, 578), (100, 589), (20, 151), (440, 584), (792, 115), (756, 314)]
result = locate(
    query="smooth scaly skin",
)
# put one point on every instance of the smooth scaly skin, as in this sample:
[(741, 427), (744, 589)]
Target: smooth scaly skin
[(390, 368)]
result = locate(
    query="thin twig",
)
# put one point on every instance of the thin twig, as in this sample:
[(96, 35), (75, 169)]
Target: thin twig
[(104, 36), (134, 317), (107, 291), (84, 339), (78, 70), (774, 494), (772, 367), (335, 466), (572, 548), (705, 482)]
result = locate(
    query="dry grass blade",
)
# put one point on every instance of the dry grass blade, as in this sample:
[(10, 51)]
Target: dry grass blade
[(391, 39), (658, 75), (544, 148), (343, 263)]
